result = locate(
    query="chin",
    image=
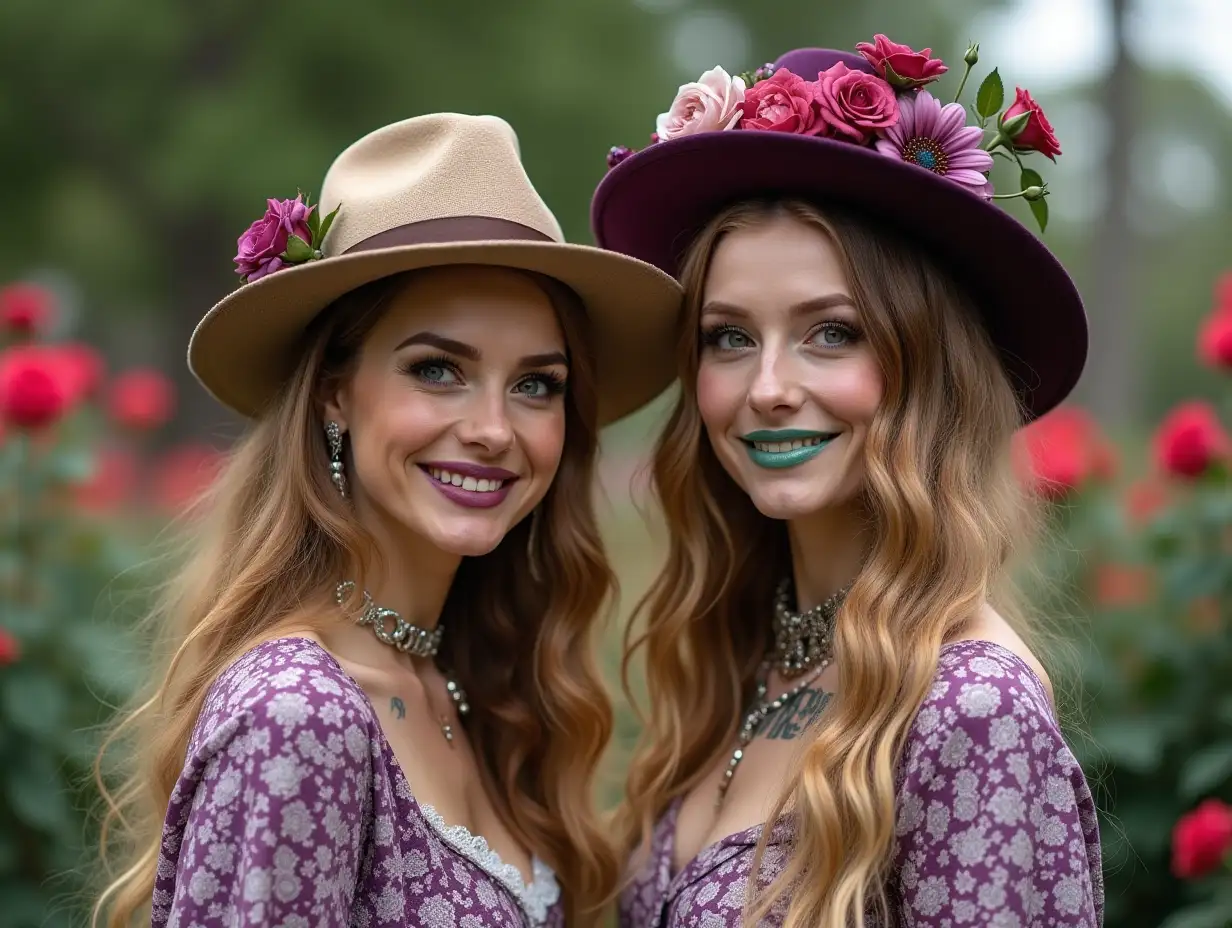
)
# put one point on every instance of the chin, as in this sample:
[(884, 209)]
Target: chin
[(467, 541), (787, 505)]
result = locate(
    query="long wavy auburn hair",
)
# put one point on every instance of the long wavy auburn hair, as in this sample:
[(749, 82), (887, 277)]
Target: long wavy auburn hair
[(945, 513), (263, 555)]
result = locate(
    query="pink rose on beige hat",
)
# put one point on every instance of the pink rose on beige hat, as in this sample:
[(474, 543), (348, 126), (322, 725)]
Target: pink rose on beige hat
[(854, 104), (783, 102), (709, 104)]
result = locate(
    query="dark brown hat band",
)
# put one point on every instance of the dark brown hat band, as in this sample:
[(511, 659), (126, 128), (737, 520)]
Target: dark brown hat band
[(450, 229)]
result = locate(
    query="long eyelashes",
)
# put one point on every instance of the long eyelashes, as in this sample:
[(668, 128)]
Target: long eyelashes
[(422, 370), (726, 337)]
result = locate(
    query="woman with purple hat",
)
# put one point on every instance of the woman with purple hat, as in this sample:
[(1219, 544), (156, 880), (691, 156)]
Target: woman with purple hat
[(847, 721), (379, 704)]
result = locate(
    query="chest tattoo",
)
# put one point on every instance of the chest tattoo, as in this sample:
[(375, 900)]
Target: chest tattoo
[(795, 716), (398, 707)]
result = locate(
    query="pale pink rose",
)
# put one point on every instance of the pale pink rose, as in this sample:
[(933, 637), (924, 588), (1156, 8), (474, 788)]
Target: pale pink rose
[(709, 104)]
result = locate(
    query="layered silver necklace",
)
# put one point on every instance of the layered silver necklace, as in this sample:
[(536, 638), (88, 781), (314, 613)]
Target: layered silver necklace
[(393, 630), (803, 645)]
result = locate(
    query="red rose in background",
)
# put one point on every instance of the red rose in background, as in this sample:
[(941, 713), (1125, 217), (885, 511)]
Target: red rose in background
[(81, 366), (32, 393), (1190, 440), (10, 649), (183, 474), (1144, 499), (1063, 450), (1123, 585), (1201, 840), (1215, 339), (1037, 134), (141, 399), (26, 308)]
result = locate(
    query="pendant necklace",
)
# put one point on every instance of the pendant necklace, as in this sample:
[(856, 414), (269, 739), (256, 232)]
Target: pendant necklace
[(803, 644), (409, 639)]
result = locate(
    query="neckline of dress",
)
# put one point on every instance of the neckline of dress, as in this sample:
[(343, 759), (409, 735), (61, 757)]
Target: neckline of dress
[(535, 898)]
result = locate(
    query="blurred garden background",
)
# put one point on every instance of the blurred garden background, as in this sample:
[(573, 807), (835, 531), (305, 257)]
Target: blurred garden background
[(139, 138)]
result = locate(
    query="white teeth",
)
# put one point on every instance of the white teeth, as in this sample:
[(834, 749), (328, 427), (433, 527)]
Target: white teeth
[(777, 447), (480, 485)]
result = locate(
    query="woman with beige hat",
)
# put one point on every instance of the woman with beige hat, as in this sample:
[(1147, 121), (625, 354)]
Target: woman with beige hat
[(380, 705)]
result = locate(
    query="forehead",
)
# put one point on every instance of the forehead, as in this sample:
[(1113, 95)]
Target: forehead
[(773, 264), (498, 310)]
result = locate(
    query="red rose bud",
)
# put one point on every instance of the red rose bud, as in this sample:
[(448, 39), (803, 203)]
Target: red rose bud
[(141, 399), (1037, 134), (1201, 840), (1215, 339), (32, 394), (10, 649), (1190, 440), (26, 309)]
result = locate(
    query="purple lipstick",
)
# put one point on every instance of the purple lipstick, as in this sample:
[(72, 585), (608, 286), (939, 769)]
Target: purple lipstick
[(470, 485)]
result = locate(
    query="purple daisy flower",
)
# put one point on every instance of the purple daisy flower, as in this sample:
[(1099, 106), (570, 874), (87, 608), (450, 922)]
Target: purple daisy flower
[(938, 139)]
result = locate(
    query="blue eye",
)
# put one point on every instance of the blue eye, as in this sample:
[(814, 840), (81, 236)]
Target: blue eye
[(727, 338), (540, 386), (438, 372), (834, 335)]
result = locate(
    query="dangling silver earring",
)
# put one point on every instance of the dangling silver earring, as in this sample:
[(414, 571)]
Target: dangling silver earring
[(333, 434), (532, 556)]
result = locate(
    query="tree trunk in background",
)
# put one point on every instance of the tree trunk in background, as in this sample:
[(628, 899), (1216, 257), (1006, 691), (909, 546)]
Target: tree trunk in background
[(194, 285), (1111, 382)]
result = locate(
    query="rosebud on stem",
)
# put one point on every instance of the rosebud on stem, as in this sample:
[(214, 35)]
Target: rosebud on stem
[(1008, 130), (970, 60), (1029, 194)]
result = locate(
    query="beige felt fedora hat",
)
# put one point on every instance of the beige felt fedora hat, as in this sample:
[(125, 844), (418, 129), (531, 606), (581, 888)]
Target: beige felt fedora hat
[(440, 189)]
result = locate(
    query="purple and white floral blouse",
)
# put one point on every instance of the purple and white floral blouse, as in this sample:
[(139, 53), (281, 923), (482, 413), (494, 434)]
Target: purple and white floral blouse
[(292, 811), (996, 824)]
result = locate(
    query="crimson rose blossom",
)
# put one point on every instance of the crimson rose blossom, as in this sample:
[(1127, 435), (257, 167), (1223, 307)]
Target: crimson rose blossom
[(1215, 340), (854, 104), (10, 650), (260, 247), (1190, 440), (1201, 840), (26, 308), (32, 395), (783, 102), (1037, 135), (914, 68), (141, 399), (1064, 450)]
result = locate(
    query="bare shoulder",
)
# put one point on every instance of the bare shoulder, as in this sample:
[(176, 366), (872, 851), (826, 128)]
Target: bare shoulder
[(990, 625)]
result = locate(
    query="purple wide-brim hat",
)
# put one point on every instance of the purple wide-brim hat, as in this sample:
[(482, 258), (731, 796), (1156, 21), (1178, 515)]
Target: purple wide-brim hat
[(653, 204)]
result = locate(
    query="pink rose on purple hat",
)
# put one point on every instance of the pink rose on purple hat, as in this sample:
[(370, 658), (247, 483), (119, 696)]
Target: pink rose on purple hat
[(262, 249), (901, 65), (783, 102), (709, 104), (854, 105)]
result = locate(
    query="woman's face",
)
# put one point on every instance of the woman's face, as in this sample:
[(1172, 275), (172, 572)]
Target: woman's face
[(456, 410), (787, 385)]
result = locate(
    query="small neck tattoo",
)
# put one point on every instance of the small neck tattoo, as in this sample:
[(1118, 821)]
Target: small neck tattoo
[(409, 639)]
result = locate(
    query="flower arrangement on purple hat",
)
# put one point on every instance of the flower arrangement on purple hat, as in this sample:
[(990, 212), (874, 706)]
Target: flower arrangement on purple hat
[(888, 111), (290, 233)]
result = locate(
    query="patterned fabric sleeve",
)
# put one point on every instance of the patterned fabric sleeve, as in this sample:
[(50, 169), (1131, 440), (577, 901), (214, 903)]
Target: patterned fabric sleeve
[(995, 821), (272, 805)]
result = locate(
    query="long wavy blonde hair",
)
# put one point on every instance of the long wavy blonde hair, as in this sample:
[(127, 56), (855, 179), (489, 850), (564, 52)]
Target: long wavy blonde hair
[(271, 542), (945, 510)]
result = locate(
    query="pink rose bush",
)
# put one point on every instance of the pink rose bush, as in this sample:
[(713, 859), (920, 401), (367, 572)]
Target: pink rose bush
[(882, 108)]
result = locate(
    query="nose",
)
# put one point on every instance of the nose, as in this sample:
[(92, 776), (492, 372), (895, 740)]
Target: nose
[(774, 388), (486, 424)]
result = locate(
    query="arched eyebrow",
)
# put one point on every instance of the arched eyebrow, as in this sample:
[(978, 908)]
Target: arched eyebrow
[(471, 353), (804, 308)]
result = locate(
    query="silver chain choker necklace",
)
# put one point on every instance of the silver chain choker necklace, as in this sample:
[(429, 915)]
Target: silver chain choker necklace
[(407, 638), (803, 640)]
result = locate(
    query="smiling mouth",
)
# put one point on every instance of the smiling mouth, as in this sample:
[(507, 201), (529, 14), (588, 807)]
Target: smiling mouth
[(473, 484), (777, 447)]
